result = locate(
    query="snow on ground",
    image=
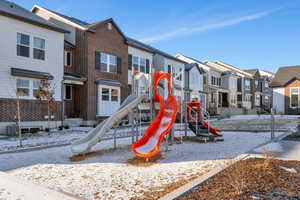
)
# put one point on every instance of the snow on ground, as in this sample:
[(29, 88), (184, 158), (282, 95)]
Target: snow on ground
[(245, 117), (109, 176), (44, 139), (270, 147)]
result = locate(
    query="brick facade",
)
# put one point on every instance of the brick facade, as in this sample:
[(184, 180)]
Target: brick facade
[(287, 90), (30, 110), (84, 100)]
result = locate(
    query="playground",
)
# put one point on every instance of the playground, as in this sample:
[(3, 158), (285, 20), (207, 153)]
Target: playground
[(141, 161), (110, 175)]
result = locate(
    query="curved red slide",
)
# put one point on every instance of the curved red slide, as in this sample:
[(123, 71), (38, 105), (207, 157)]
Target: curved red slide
[(197, 107), (149, 144)]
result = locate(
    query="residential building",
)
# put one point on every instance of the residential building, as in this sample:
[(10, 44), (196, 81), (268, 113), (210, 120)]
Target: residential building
[(244, 82), (286, 90), (31, 50), (160, 61), (194, 83), (212, 85), (261, 92), (97, 78)]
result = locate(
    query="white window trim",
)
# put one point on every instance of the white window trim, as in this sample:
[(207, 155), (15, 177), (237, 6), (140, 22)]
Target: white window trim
[(66, 60), (65, 89), (108, 62), (291, 97), (29, 46), (31, 88), (33, 47)]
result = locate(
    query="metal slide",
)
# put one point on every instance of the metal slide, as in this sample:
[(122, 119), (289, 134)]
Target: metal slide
[(84, 145)]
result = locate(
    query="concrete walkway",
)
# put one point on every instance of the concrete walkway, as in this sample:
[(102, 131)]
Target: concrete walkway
[(13, 188), (283, 149)]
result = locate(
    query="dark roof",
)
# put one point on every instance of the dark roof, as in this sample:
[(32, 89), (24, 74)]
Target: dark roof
[(284, 75), (146, 47), (72, 19), (68, 44), (30, 74), (190, 66), (74, 77), (12, 10), (108, 82)]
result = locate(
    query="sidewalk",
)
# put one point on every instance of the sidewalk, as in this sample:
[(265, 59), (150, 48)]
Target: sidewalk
[(13, 188), (287, 148)]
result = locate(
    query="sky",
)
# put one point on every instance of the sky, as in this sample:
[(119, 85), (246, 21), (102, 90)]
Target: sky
[(246, 34)]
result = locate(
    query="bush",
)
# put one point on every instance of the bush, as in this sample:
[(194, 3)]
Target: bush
[(67, 127), (47, 130)]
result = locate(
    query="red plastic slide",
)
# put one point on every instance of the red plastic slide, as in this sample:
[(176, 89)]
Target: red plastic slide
[(149, 144), (197, 107)]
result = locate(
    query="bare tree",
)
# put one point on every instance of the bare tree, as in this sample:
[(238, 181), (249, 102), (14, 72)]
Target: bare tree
[(45, 95)]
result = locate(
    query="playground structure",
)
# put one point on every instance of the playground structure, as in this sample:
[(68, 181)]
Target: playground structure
[(149, 144)]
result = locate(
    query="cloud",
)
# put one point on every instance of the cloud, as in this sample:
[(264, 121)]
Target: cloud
[(187, 30)]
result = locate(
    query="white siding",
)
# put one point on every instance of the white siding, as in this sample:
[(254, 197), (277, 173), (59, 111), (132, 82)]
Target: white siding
[(278, 100), (53, 63), (139, 53), (177, 66), (198, 85)]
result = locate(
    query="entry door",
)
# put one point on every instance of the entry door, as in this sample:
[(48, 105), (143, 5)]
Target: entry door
[(108, 100)]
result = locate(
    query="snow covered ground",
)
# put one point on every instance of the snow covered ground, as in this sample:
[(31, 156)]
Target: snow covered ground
[(258, 117), (110, 176), (44, 139)]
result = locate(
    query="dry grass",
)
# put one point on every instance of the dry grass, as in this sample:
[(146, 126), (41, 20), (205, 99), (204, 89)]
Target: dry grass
[(142, 162), (81, 157)]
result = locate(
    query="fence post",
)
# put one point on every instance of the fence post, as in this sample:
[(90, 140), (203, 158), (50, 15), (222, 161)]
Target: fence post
[(272, 124)]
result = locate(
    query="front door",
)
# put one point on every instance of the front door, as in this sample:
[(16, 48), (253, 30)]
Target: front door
[(108, 100)]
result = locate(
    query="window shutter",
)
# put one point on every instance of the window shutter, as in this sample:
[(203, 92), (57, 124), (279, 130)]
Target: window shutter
[(98, 60), (119, 65), (147, 66), (129, 61)]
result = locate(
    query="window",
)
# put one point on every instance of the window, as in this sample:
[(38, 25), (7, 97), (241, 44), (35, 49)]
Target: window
[(204, 79), (266, 84), (215, 81), (142, 65), (23, 44), (105, 94), (114, 95), (135, 61), (294, 98), (247, 84), (113, 64), (194, 79), (35, 87), (38, 48), (169, 69), (23, 87), (180, 76), (104, 61), (68, 92), (68, 58), (256, 83)]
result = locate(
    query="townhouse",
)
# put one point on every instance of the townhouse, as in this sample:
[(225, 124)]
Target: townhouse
[(286, 90), (96, 66), (243, 88), (99, 64), (261, 92), (31, 50), (158, 61)]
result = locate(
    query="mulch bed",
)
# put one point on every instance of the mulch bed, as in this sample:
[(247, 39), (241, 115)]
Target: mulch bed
[(254, 178)]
